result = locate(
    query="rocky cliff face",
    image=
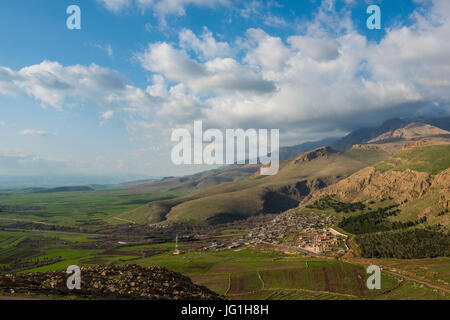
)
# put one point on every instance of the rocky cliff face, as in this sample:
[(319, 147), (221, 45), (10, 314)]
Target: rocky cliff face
[(323, 152), (109, 282), (401, 185), (442, 181)]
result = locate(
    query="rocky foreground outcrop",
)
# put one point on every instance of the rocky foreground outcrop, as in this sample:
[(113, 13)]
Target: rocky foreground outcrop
[(109, 282)]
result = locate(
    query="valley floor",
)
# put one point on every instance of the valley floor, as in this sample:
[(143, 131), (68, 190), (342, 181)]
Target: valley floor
[(256, 272)]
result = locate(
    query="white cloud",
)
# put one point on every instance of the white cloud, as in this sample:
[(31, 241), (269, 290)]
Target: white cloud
[(7, 78), (251, 9), (55, 85), (2, 123), (108, 115), (265, 51), (206, 46), (219, 74), (160, 8), (35, 133), (115, 5), (260, 12), (326, 79), (177, 7), (316, 48), (329, 78), (274, 21), (327, 21), (107, 49)]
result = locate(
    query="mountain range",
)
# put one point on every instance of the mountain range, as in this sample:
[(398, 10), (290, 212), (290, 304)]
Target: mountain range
[(237, 192)]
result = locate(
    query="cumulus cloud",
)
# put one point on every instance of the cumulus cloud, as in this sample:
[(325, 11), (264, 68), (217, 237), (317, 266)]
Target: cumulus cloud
[(266, 52), (325, 78), (315, 48), (206, 45), (218, 74), (35, 133), (315, 82), (55, 85)]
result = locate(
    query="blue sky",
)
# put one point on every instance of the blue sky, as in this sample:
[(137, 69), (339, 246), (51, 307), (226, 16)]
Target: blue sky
[(105, 98)]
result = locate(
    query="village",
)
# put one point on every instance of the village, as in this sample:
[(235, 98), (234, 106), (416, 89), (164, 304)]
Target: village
[(308, 232)]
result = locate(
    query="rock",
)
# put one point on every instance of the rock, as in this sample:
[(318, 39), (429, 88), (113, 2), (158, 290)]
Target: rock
[(110, 282)]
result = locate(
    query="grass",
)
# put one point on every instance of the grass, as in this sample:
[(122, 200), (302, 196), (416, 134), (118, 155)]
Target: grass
[(87, 209), (368, 156), (30, 248), (415, 291), (241, 274), (232, 232), (430, 159), (432, 270), (301, 295), (248, 197), (245, 282), (336, 277), (158, 245)]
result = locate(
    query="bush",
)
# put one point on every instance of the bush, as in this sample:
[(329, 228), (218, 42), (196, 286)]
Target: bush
[(405, 244)]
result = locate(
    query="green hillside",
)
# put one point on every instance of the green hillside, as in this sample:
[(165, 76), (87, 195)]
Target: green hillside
[(398, 208), (225, 202), (430, 159)]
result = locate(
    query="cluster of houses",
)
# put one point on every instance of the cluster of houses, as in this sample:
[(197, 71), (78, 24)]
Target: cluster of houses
[(276, 231), (321, 240), (311, 232)]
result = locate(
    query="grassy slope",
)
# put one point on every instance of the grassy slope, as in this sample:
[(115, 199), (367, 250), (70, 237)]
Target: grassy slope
[(418, 193), (247, 197), (430, 159), (198, 181), (433, 159)]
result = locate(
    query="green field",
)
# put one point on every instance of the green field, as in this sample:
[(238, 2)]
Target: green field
[(90, 209), (241, 274)]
